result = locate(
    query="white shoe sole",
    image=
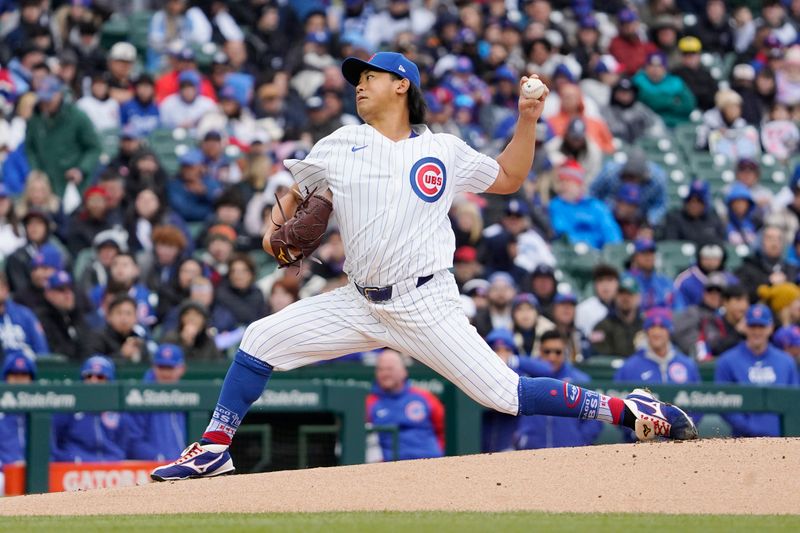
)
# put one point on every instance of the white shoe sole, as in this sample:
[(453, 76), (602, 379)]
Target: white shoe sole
[(227, 468)]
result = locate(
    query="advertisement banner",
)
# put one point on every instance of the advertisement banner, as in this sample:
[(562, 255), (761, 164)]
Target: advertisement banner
[(83, 476)]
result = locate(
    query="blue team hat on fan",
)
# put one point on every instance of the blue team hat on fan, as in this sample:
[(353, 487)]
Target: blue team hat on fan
[(502, 277), (787, 337), (48, 256), (630, 193), (16, 362), (758, 315), (58, 280), (658, 320), (525, 298), (168, 355), (643, 244), (392, 62), (98, 365), (501, 337), (566, 297)]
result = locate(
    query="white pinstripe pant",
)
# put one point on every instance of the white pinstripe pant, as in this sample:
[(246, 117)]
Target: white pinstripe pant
[(427, 323)]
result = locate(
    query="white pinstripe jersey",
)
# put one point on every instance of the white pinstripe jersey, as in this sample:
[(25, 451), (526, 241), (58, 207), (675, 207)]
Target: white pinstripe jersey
[(391, 199)]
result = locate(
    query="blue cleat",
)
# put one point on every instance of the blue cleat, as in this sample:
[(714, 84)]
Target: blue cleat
[(658, 419), (207, 460)]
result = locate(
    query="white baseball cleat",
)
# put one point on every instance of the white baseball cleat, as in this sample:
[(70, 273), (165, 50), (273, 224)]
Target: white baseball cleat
[(658, 419)]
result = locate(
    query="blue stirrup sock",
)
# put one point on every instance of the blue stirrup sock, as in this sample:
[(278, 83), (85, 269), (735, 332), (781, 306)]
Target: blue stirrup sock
[(553, 397), (244, 383)]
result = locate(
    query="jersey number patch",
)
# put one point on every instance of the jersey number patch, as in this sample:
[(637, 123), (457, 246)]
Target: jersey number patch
[(428, 178)]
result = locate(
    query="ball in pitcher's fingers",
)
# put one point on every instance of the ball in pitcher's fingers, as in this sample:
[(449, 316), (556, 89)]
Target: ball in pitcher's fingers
[(533, 88)]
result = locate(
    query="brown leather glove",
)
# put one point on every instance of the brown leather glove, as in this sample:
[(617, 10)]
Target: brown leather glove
[(299, 236)]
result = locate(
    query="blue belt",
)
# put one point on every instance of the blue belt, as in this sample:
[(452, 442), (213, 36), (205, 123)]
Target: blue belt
[(382, 294)]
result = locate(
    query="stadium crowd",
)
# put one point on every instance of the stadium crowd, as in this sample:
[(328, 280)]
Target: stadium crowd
[(142, 143)]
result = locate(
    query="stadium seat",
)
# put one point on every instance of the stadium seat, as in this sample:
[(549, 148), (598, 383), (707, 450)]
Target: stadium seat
[(617, 254), (576, 260), (676, 256)]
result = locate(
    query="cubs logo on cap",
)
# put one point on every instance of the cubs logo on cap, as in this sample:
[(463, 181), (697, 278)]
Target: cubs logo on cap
[(428, 179), (758, 315)]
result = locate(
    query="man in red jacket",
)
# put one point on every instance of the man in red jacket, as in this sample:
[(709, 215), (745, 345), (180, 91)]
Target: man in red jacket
[(628, 47)]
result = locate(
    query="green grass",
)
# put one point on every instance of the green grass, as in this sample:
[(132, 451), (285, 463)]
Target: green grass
[(401, 522)]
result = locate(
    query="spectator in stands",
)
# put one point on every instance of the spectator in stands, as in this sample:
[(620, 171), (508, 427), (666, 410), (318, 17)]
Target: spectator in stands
[(787, 338), (122, 339), (628, 47), (66, 331), (579, 218), (220, 242), (744, 219), (576, 145), (185, 108), (650, 178), (89, 220), (141, 112), (19, 329), (147, 213), (228, 209), (161, 268), (575, 343), (124, 279), (43, 265), (627, 213), (720, 336), (465, 265), (121, 59), (572, 107), (89, 437), (691, 323), (694, 74), (217, 164), (756, 362), (515, 221), (618, 334), (10, 228), (724, 131), (782, 299), (37, 234), (18, 369), (552, 432), (175, 21), (38, 196), (98, 105), (690, 283), (192, 193), (743, 78), (67, 153), (194, 334), (590, 311), (780, 136), (529, 325), (748, 174), (283, 293), (664, 93), (655, 288), (714, 29), (105, 247), (766, 266), (158, 435), (628, 118), (502, 290), (239, 293), (417, 414), (588, 52), (696, 220)]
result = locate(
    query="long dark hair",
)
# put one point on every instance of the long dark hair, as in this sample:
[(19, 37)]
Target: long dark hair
[(417, 108)]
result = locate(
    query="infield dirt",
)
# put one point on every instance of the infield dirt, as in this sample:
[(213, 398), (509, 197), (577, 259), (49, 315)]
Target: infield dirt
[(733, 476)]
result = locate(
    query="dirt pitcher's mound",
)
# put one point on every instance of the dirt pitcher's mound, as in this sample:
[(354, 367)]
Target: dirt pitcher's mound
[(760, 476)]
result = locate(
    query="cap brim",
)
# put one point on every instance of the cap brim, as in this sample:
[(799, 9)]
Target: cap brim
[(352, 67)]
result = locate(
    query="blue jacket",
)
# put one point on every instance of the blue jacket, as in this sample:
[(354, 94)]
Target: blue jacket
[(146, 302), (772, 368), (588, 220), (655, 288), (419, 417), (13, 428), (653, 190), (143, 117), (155, 435), (192, 207), (88, 437), (15, 170), (690, 285), (540, 431), (642, 367), (21, 330)]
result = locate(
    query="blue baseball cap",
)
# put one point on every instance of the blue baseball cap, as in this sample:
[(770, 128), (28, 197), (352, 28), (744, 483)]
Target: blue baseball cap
[(98, 365), (49, 88), (392, 62), (502, 277), (525, 298), (627, 15), (787, 337), (58, 280), (318, 37), (502, 337), (192, 157), (48, 256), (434, 105), (758, 315), (644, 245), (630, 193), (16, 362), (503, 72), (565, 297), (698, 189), (168, 355), (517, 207), (189, 76), (658, 320)]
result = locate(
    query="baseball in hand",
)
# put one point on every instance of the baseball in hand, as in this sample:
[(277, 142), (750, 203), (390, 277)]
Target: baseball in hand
[(533, 88)]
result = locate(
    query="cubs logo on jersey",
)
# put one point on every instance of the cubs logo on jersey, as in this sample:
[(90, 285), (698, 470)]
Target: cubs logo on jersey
[(428, 179), (415, 411)]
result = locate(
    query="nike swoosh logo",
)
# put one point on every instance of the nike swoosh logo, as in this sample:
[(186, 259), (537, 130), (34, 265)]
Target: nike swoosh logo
[(357, 148)]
